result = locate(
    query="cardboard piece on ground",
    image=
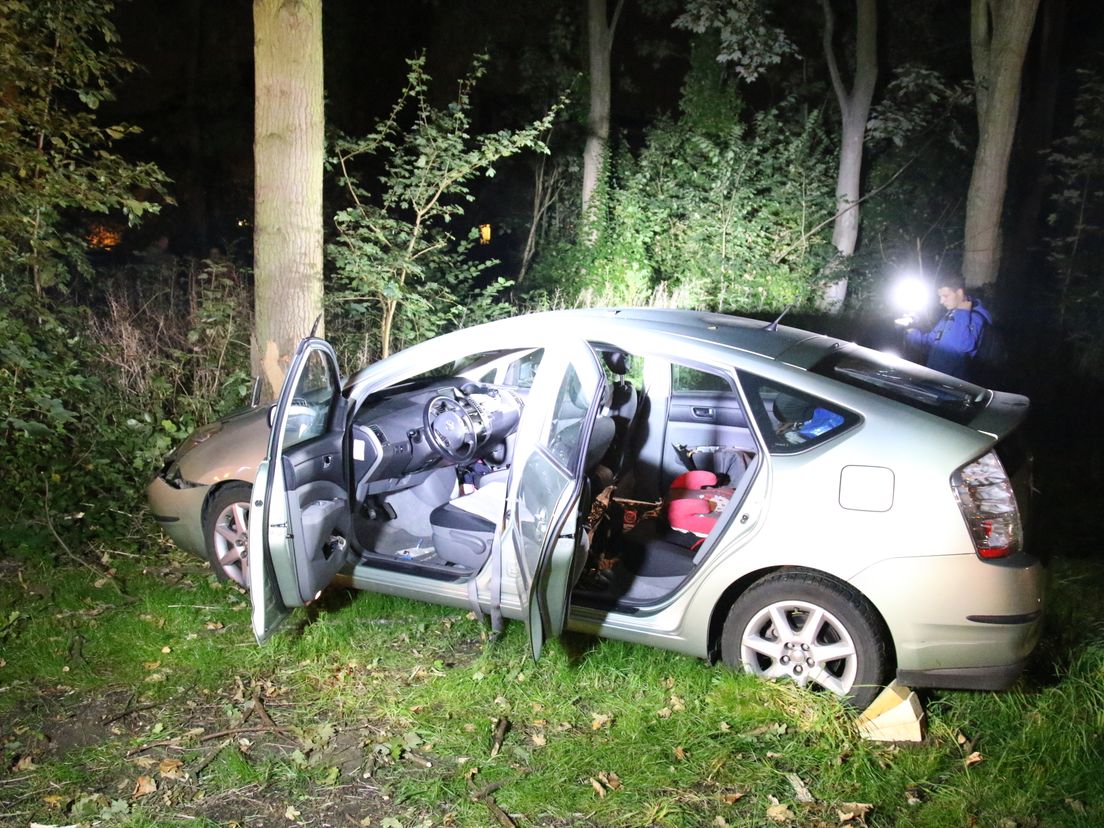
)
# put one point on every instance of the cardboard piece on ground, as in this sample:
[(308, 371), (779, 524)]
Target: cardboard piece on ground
[(895, 716)]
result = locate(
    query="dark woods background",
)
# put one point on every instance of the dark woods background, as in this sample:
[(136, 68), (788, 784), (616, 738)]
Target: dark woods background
[(126, 206)]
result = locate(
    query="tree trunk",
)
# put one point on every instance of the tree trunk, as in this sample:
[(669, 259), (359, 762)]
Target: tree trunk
[(998, 60), (288, 153), (854, 112), (599, 43), (1028, 165)]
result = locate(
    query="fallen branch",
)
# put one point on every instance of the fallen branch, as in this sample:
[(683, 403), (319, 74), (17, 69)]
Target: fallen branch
[(131, 710), (484, 796), (259, 709), (234, 731), (417, 759), (502, 725), (209, 758)]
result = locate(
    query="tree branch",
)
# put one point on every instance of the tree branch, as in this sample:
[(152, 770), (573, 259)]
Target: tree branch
[(830, 57), (780, 257), (613, 24)]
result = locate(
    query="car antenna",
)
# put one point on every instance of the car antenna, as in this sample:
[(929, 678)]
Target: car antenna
[(314, 327), (773, 326)]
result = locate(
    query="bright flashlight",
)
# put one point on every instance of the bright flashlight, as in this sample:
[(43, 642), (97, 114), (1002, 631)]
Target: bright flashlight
[(910, 295)]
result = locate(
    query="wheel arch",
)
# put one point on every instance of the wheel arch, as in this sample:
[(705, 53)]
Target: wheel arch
[(214, 491), (732, 594)]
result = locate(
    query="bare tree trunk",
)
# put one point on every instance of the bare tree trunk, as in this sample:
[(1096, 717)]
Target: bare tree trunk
[(546, 189), (599, 43), (854, 111), (998, 63), (288, 154)]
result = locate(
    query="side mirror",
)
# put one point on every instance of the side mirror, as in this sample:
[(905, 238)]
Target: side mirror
[(255, 394), (272, 415)]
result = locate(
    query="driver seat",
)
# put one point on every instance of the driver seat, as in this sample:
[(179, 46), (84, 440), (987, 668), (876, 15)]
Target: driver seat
[(464, 528)]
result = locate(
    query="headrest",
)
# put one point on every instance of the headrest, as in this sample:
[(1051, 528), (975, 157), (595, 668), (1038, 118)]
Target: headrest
[(791, 409), (617, 361)]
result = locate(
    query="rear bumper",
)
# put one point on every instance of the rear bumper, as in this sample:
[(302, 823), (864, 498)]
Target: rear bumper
[(964, 678), (179, 513), (957, 621)]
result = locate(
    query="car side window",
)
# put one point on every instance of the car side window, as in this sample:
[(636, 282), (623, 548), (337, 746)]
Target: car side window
[(522, 373), (564, 435), (685, 378), (793, 420), (309, 408)]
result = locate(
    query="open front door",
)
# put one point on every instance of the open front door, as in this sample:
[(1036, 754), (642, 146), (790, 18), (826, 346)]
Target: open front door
[(299, 517), (545, 498)]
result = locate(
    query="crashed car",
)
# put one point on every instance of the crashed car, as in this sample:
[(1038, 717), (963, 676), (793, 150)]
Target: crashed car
[(795, 505)]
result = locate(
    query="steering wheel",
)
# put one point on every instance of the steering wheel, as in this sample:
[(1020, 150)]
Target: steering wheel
[(449, 429)]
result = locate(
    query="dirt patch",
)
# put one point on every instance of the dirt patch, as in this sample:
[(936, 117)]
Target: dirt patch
[(193, 773)]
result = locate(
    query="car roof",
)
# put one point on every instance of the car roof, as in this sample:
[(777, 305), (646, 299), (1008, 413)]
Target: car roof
[(781, 342)]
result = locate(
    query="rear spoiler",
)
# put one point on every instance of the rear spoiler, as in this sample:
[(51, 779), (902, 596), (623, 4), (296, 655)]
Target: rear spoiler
[(1003, 415)]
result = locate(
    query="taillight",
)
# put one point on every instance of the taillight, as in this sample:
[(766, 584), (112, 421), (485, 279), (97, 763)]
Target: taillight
[(985, 496)]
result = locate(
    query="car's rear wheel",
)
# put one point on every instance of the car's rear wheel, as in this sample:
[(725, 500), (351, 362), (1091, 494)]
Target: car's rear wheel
[(226, 529), (818, 632)]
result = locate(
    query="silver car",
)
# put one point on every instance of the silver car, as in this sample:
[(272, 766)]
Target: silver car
[(798, 506)]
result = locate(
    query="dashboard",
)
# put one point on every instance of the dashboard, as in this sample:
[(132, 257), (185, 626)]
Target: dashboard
[(402, 435)]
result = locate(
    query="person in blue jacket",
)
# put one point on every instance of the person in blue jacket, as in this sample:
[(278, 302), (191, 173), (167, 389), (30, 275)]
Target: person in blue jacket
[(953, 341)]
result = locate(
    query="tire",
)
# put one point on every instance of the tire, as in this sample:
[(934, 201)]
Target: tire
[(225, 531), (846, 654)]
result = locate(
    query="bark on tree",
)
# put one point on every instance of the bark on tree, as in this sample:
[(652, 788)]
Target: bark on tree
[(547, 186), (854, 107), (288, 153), (1000, 31), (600, 30)]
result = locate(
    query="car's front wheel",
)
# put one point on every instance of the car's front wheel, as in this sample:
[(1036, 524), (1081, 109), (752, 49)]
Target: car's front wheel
[(226, 529), (811, 629)]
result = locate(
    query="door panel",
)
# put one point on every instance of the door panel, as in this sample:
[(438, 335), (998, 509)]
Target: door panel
[(545, 497), (703, 418), (300, 515)]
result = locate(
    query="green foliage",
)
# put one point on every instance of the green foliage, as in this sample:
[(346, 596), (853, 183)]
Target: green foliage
[(65, 445), (748, 41), (915, 101), (400, 265), (1075, 235), (58, 60), (91, 400), (711, 212), (402, 699)]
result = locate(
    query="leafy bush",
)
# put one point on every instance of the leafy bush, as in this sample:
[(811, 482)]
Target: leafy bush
[(1075, 239), (712, 210), (58, 60), (92, 397), (401, 269)]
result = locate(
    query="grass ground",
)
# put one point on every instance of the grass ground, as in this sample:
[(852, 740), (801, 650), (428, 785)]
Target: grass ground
[(138, 698)]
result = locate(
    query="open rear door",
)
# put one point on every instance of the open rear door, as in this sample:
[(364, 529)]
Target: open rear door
[(544, 499), (299, 517)]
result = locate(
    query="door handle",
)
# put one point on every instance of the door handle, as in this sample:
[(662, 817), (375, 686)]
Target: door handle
[(702, 412)]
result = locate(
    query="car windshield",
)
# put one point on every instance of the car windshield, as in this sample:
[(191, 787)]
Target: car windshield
[(906, 382)]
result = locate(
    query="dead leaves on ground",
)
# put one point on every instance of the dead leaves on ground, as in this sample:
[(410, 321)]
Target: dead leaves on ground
[(605, 782)]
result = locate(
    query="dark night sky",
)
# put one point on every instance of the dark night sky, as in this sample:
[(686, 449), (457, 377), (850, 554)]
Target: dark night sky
[(193, 96)]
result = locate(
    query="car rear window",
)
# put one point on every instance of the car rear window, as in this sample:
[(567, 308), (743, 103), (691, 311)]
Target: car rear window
[(792, 420), (906, 382)]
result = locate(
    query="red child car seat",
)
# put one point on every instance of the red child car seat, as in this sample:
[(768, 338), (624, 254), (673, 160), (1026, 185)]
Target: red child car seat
[(695, 502)]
